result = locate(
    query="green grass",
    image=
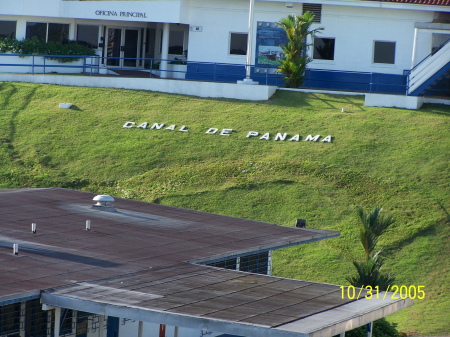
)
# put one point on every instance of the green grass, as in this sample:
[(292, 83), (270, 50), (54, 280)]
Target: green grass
[(394, 158)]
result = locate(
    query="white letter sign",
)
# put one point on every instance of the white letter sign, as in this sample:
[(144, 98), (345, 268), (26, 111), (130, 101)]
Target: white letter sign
[(211, 131), (226, 132), (129, 125), (311, 138)]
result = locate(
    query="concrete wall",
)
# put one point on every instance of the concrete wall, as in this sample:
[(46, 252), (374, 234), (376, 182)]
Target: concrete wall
[(394, 101), (200, 89)]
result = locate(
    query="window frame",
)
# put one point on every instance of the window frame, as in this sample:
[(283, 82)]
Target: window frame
[(47, 30), (87, 42), (231, 34), (173, 43), (13, 34), (374, 52), (314, 49)]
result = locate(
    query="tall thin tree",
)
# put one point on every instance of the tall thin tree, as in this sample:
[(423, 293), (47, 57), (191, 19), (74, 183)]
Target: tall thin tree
[(293, 65), (369, 273)]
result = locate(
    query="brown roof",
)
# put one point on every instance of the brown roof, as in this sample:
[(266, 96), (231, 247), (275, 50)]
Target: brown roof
[(420, 2), (138, 237), (139, 263)]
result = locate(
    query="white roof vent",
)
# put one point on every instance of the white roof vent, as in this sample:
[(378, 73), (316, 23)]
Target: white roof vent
[(104, 203)]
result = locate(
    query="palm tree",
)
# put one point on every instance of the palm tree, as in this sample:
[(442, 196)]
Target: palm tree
[(297, 29), (369, 274), (373, 225)]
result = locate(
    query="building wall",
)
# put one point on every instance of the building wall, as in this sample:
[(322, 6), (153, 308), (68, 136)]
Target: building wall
[(355, 29), (208, 25)]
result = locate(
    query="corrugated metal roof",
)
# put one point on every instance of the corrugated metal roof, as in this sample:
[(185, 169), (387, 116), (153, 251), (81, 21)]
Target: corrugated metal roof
[(138, 263), (138, 237), (214, 293), (420, 2)]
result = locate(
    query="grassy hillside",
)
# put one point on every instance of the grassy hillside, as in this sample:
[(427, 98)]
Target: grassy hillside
[(394, 158)]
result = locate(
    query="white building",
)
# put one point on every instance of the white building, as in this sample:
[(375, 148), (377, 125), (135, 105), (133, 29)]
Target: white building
[(367, 46)]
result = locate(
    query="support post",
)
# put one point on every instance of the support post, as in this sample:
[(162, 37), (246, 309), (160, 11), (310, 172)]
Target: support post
[(269, 262), (414, 52), (140, 328), (369, 329), (175, 332), (57, 321), (248, 60), (101, 325), (165, 50)]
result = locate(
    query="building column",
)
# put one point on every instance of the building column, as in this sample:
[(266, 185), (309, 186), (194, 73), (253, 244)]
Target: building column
[(101, 324), (414, 52), (369, 329), (57, 322), (269, 262), (165, 50), (175, 332), (140, 329), (21, 29)]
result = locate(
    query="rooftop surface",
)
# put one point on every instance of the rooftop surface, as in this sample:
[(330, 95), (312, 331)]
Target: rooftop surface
[(140, 263), (420, 2)]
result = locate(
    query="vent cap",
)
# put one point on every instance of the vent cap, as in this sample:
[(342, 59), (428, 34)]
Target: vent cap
[(104, 203)]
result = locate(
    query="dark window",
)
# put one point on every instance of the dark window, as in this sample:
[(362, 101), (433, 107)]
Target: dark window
[(35, 319), (37, 29), (54, 32), (384, 52), (88, 34), (66, 322), (151, 36), (58, 32), (176, 42), (82, 323), (255, 263), (238, 43), (10, 319), (227, 264), (316, 9), (323, 49), (8, 29)]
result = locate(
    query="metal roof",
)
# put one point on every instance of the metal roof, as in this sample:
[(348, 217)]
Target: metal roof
[(139, 263), (419, 2)]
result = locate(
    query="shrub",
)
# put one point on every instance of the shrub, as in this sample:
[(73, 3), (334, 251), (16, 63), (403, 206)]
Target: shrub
[(34, 46), (381, 328)]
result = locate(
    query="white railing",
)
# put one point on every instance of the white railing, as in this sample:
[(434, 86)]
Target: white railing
[(428, 67)]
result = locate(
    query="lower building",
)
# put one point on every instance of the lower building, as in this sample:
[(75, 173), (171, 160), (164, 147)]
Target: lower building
[(71, 266)]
